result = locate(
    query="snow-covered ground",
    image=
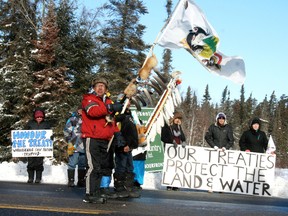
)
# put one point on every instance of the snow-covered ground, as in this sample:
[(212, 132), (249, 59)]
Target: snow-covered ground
[(57, 174)]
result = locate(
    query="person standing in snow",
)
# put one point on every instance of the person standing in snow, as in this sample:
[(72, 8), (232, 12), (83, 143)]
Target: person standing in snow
[(139, 169), (220, 134), (124, 175), (97, 130), (254, 140), (173, 134), (35, 164), (76, 153)]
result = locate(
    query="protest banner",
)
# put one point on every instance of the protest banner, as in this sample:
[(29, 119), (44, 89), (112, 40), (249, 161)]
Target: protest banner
[(155, 153), (32, 143), (224, 171)]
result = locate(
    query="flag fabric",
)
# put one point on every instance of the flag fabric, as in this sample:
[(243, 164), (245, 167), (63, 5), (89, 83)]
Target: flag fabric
[(188, 28)]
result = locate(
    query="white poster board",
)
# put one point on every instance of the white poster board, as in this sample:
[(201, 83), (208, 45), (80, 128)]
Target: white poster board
[(32, 143), (208, 169)]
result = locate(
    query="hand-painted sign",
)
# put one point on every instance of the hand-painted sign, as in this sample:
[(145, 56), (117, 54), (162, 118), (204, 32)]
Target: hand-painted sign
[(226, 171), (32, 143)]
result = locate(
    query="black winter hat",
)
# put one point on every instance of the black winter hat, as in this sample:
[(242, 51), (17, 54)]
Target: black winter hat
[(256, 121)]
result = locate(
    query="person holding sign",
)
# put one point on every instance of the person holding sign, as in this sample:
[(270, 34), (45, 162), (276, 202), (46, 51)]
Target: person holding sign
[(220, 134), (173, 134), (254, 140), (35, 164), (76, 153), (98, 128)]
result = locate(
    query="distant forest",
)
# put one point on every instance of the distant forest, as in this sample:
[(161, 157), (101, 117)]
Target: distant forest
[(50, 51)]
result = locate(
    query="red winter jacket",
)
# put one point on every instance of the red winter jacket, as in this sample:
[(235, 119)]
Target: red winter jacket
[(93, 118)]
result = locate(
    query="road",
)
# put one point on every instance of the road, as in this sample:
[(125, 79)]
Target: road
[(49, 199)]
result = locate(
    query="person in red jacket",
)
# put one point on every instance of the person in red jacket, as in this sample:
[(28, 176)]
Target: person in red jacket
[(97, 129)]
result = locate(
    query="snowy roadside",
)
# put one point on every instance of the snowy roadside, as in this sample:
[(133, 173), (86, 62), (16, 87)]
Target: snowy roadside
[(57, 174)]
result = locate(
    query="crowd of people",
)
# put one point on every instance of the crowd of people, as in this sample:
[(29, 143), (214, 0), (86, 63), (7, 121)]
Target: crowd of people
[(101, 136)]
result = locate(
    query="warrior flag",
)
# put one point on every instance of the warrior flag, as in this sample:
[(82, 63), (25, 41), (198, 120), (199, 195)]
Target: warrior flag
[(188, 28)]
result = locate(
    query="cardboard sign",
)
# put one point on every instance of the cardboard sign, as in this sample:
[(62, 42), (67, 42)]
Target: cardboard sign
[(229, 171), (32, 143)]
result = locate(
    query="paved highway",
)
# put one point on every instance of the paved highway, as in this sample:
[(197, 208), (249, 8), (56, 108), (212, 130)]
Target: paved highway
[(49, 199)]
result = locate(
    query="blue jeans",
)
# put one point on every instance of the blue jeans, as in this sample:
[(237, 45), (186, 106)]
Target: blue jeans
[(77, 159), (124, 162)]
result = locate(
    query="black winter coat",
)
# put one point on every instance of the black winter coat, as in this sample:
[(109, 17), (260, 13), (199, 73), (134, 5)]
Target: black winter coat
[(255, 141), (221, 136), (167, 134), (128, 129), (33, 125)]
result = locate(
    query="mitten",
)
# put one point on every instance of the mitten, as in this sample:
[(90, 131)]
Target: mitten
[(183, 144), (216, 148), (116, 107), (175, 145), (247, 150), (70, 149)]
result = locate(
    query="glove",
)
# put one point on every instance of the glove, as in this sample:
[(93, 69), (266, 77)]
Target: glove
[(247, 150), (116, 107), (223, 149), (183, 144), (216, 148), (70, 149), (120, 141), (175, 144)]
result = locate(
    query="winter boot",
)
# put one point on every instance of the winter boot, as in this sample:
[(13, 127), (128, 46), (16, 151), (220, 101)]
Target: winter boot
[(71, 174), (137, 185), (109, 194), (119, 186), (81, 178), (95, 198), (129, 185), (38, 176), (30, 176)]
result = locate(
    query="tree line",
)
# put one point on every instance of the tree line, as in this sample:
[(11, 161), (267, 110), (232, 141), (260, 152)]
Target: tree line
[(50, 50), (273, 112)]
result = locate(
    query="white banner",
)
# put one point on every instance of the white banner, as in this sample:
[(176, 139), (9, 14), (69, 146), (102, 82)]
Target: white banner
[(32, 143), (229, 171)]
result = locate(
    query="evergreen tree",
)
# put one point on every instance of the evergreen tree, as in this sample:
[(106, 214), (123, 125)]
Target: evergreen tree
[(207, 115), (272, 113), (122, 44), (280, 129), (242, 115), (78, 49), (16, 33), (206, 96), (262, 111), (50, 84)]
